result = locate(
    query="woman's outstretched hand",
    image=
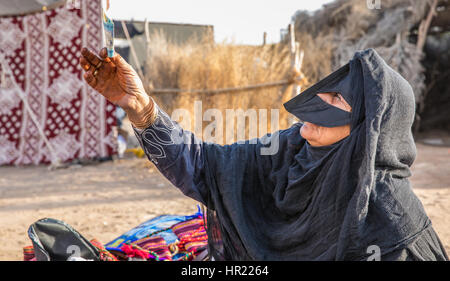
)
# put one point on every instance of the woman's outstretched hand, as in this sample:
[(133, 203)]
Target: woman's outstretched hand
[(119, 83)]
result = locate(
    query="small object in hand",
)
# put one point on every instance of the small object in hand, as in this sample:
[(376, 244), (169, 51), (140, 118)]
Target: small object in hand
[(108, 30)]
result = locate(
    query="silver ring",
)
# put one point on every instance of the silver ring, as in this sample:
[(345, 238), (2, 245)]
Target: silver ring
[(99, 65)]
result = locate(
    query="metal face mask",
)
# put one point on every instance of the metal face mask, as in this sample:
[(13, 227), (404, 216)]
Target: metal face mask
[(309, 107)]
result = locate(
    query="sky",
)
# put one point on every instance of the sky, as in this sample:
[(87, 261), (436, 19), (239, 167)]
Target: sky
[(237, 21)]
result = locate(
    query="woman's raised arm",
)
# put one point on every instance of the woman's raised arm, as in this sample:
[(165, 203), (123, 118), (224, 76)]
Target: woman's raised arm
[(176, 153)]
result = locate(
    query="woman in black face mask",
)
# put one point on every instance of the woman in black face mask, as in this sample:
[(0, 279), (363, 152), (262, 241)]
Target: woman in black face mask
[(336, 188), (317, 135)]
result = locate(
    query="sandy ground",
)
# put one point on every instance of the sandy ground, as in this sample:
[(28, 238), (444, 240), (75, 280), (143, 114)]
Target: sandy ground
[(105, 200)]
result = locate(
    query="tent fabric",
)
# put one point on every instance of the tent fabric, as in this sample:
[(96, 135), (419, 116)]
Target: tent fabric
[(305, 203), (39, 61), (24, 7)]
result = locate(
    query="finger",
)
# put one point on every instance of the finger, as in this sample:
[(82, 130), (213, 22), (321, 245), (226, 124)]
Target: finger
[(90, 57), (90, 79), (85, 64), (103, 53), (119, 61)]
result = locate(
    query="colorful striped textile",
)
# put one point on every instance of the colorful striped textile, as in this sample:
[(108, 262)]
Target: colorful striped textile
[(156, 244), (134, 252), (192, 235), (28, 253), (104, 254), (160, 225)]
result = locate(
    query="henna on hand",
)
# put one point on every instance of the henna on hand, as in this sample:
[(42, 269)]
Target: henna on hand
[(119, 83)]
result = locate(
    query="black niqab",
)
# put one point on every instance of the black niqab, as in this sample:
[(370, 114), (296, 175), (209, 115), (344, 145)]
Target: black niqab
[(328, 203)]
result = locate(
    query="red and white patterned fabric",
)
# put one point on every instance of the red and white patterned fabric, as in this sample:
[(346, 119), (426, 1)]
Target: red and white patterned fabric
[(39, 61)]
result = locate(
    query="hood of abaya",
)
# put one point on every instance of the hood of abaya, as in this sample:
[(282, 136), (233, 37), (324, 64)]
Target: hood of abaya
[(326, 203)]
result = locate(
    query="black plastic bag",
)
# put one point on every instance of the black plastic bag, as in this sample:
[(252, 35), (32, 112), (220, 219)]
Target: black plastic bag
[(54, 240)]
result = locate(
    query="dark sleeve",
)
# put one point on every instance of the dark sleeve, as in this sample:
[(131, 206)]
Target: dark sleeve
[(176, 153), (180, 156)]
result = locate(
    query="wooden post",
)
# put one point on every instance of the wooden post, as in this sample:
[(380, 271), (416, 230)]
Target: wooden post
[(292, 39), (264, 38), (133, 52), (147, 31), (425, 25), (147, 52), (295, 57), (296, 61)]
